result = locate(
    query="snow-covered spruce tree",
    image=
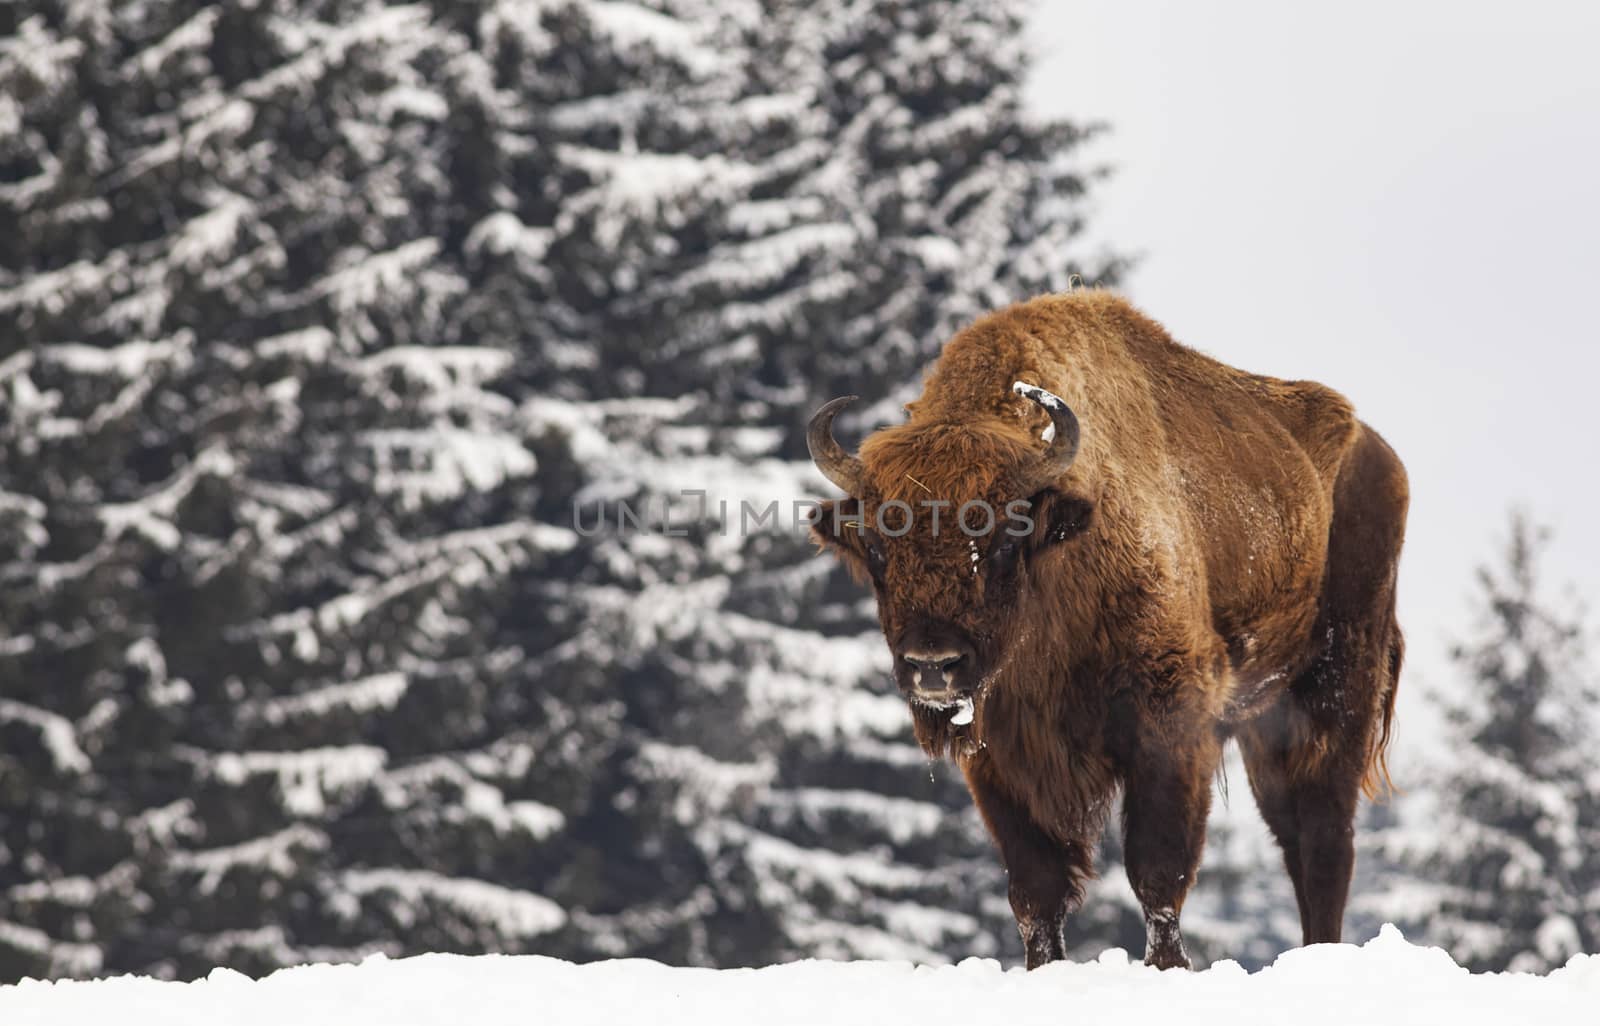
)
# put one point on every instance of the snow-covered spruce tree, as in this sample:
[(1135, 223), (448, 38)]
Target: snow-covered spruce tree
[(1500, 859), (257, 481)]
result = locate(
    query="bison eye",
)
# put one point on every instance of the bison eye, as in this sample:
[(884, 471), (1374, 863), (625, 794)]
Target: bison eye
[(1068, 519), (874, 546), (1003, 555)]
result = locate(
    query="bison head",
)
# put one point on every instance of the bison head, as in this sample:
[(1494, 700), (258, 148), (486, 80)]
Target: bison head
[(953, 522)]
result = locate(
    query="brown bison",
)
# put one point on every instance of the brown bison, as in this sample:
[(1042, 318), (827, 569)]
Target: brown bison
[(1213, 557)]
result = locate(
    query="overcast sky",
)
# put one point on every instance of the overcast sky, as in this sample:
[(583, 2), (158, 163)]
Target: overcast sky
[(1396, 199)]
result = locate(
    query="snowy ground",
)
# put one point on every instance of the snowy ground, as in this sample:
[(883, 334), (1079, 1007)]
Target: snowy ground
[(1385, 981)]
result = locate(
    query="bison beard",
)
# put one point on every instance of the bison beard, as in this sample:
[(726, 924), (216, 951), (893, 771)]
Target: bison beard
[(1212, 557)]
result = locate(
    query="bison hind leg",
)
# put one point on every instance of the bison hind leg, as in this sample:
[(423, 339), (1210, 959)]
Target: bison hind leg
[(1322, 742), (1313, 752)]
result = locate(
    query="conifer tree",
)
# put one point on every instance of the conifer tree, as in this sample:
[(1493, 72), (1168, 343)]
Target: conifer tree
[(1502, 857)]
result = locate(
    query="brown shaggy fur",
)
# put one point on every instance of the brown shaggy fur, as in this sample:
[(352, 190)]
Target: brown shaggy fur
[(1218, 562)]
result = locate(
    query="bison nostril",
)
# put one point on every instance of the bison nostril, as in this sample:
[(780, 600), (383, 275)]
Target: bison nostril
[(945, 661)]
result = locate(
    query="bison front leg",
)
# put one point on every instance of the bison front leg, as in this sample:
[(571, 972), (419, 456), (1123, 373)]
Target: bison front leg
[(1045, 875), (1166, 799)]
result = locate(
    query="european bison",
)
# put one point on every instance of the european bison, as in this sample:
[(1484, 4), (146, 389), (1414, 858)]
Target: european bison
[(1213, 558)]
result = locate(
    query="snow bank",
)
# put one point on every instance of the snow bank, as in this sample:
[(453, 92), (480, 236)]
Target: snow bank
[(1386, 981)]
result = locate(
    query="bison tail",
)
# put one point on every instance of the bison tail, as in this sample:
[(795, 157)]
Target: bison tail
[(1376, 784)]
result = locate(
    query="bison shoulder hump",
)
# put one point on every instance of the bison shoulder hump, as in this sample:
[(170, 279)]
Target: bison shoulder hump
[(1320, 419)]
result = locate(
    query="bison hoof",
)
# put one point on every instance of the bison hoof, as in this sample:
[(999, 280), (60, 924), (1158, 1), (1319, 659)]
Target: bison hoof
[(1163, 943), (1168, 960)]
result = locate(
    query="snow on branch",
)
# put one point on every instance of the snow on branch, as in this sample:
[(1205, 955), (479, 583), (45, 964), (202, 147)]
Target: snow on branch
[(632, 24), (903, 820), (209, 237), (512, 912), (476, 799), (61, 958), (787, 871), (439, 463), (645, 186), (707, 784), (306, 779), (153, 514), (364, 282), (379, 692), (127, 361), (279, 854), (35, 58), (192, 36), (502, 233), (55, 732)]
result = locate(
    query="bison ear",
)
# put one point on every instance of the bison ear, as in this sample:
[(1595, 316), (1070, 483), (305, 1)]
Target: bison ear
[(836, 527), (835, 523)]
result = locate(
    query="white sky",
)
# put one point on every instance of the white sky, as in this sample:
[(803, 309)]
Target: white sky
[(1401, 200)]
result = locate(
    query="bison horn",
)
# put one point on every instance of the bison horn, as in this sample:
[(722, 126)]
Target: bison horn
[(1063, 443), (836, 465)]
